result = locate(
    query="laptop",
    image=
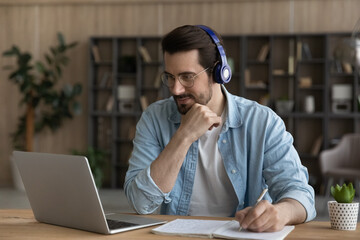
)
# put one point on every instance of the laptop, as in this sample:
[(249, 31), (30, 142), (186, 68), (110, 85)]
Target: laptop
[(61, 191)]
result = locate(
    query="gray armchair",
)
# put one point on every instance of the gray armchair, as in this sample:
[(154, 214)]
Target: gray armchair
[(342, 162)]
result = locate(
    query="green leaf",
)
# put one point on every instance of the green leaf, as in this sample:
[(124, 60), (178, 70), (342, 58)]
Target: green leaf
[(40, 67), (13, 51), (343, 194), (77, 108), (61, 39), (48, 59), (71, 45), (77, 89)]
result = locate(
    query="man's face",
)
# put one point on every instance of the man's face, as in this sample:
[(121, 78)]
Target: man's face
[(181, 63)]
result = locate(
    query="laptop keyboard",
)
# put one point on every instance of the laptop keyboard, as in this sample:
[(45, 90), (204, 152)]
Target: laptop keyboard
[(114, 224)]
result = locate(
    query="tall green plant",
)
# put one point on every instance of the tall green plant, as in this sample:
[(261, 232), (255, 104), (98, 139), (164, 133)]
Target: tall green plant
[(96, 158), (46, 104)]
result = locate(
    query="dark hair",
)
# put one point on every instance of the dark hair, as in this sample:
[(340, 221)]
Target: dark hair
[(188, 37)]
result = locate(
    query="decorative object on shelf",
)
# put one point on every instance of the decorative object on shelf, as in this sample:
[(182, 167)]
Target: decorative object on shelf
[(126, 98), (309, 104), (348, 51), (46, 104), (284, 105), (96, 158), (341, 98), (343, 212), (305, 82)]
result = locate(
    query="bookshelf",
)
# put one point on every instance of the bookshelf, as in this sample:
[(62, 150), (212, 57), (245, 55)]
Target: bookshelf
[(303, 69)]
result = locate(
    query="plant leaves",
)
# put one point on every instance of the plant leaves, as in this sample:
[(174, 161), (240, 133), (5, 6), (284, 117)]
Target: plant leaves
[(61, 39), (343, 194)]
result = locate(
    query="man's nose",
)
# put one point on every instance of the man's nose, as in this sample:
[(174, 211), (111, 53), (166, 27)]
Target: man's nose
[(177, 89)]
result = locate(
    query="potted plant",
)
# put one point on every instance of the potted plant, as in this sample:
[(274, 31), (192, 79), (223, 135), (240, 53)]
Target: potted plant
[(46, 104), (96, 158), (343, 212), (284, 105)]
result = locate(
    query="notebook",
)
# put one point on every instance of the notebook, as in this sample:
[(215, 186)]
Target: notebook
[(216, 229), (61, 191)]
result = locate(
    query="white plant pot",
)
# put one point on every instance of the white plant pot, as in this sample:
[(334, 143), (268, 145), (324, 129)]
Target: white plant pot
[(17, 181), (343, 216)]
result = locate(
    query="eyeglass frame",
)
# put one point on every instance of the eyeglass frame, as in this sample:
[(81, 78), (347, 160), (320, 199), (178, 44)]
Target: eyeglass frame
[(179, 78)]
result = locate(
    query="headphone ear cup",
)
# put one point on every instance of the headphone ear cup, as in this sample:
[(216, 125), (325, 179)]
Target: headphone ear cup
[(217, 74)]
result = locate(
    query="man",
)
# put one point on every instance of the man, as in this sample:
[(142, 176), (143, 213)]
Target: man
[(205, 151)]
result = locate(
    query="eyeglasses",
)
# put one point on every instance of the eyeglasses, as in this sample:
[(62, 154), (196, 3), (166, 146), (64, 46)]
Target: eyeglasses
[(185, 79)]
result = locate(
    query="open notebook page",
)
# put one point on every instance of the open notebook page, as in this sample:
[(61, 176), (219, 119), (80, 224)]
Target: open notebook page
[(230, 230)]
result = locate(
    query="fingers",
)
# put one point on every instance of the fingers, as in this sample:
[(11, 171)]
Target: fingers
[(264, 217), (198, 120)]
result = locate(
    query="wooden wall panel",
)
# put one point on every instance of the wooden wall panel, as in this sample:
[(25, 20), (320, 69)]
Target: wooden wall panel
[(325, 16), (16, 27), (33, 26)]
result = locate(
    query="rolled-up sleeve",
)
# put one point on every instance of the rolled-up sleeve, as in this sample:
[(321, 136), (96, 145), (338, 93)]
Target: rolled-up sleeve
[(140, 189), (283, 171), (143, 194)]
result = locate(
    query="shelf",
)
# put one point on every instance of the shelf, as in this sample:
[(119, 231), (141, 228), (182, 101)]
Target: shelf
[(305, 58)]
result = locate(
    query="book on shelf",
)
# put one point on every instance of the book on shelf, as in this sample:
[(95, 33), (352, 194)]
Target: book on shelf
[(106, 79), (337, 66), (278, 72), (247, 77), (299, 51), (157, 80), (263, 53), (96, 53), (306, 52), (145, 54), (347, 67), (291, 59), (144, 102), (315, 150), (110, 103), (215, 229)]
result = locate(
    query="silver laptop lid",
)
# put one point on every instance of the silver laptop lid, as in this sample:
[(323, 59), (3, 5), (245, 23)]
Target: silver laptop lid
[(61, 190)]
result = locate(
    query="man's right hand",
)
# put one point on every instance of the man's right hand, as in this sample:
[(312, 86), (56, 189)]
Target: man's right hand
[(197, 121)]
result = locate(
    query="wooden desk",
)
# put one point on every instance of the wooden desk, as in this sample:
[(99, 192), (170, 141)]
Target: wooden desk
[(20, 224)]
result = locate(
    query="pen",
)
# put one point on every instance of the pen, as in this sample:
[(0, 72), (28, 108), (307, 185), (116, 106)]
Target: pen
[(258, 200)]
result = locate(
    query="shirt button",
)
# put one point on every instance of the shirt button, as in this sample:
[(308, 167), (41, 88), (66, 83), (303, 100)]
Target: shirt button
[(224, 141), (233, 171)]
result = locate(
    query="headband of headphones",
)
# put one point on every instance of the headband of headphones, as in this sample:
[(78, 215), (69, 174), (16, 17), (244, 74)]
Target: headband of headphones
[(222, 71)]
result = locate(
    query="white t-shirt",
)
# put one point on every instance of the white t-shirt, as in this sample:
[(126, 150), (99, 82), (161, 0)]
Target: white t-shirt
[(213, 193)]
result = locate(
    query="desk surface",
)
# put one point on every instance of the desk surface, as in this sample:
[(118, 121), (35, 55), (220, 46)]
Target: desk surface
[(20, 224)]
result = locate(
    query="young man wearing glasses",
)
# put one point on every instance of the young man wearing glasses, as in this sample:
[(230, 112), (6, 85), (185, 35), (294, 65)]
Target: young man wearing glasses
[(207, 152)]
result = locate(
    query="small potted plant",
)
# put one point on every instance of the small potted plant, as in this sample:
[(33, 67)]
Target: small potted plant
[(284, 105), (343, 212)]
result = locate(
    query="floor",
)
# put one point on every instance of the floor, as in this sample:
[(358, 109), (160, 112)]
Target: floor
[(115, 201)]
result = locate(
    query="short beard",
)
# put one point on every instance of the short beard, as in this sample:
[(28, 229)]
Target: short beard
[(183, 108)]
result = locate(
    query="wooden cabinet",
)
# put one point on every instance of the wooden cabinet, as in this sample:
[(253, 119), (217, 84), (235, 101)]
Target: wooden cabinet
[(302, 77)]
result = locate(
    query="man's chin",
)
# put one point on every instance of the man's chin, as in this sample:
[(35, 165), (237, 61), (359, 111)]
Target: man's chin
[(183, 108)]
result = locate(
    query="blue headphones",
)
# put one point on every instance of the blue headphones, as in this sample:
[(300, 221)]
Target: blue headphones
[(222, 71)]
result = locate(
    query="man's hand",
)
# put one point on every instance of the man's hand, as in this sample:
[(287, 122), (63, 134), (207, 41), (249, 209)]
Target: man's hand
[(198, 120), (267, 217)]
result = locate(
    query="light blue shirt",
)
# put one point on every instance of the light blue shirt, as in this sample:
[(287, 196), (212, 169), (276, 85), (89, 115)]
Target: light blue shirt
[(256, 149)]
